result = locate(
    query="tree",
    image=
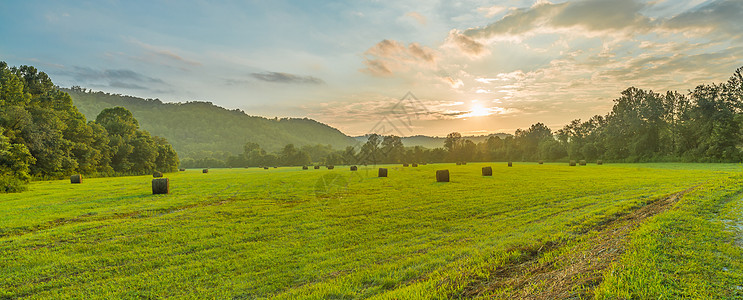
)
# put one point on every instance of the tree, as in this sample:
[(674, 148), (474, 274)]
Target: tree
[(15, 160), (453, 144), (118, 121), (392, 149), (370, 150), (167, 158), (349, 155)]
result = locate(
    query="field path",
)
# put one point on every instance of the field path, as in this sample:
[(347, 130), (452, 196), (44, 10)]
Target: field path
[(569, 270)]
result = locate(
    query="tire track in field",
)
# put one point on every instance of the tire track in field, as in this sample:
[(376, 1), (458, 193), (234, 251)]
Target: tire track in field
[(578, 267)]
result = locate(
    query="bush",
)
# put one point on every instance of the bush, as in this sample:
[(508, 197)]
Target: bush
[(10, 184)]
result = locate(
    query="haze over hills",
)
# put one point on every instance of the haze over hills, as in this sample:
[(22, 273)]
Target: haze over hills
[(435, 141)]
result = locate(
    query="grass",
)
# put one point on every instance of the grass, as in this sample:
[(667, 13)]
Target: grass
[(292, 233), (693, 251)]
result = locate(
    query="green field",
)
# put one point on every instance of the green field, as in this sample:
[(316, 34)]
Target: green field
[(289, 233)]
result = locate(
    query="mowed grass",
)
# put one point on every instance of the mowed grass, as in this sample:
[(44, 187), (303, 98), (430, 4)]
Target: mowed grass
[(292, 233)]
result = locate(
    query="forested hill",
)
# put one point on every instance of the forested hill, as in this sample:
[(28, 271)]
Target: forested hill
[(199, 127)]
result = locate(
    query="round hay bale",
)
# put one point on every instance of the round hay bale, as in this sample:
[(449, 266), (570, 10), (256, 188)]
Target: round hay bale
[(442, 175), (510, 164), (317, 167), (487, 171), (415, 165), (582, 162), (205, 171), (77, 178), (404, 165), (382, 172), (572, 163), (354, 168), (157, 174), (330, 167), (599, 162), (305, 168), (541, 162), (160, 186)]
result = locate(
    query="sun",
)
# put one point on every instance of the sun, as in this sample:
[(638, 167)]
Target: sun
[(477, 110)]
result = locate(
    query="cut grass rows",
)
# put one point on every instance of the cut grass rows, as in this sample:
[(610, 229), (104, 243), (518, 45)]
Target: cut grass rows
[(283, 233)]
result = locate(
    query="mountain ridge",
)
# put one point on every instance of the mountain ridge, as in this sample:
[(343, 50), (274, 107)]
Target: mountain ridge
[(197, 126)]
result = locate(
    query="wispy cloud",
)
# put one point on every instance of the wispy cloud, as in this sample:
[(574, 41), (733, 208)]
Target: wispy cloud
[(389, 56), (163, 55), (286, 78), (417, 17), (117, 78)]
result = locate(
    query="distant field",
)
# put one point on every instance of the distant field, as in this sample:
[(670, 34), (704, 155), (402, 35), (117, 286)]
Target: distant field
[(289, 233)]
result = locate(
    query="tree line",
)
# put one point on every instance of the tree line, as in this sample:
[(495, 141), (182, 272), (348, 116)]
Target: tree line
[(43, 135), (704, 125)]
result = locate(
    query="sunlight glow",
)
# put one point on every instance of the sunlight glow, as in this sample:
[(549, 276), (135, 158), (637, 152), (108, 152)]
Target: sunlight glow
[(478, 110)]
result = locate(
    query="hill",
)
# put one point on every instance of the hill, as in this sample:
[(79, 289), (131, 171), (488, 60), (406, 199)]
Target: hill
[(194, 127)]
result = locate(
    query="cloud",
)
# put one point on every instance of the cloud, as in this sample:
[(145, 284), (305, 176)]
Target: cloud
[(491, 11), (118, 78), (454, 83), (389, 56), (590, 16), (721, 18), (554, 61), (163, 55), (466, 44), (417, 17), (279, 77)]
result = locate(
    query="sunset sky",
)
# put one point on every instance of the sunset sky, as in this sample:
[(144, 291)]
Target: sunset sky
[(475, 66)]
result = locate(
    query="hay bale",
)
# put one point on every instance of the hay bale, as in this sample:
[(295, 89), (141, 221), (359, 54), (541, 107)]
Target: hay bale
[(599, 162), (317, 167), (160, 186), (541, 162), (459, 163), (572, 163), (330, 167), (305, 168), (205, 171), (487, 171), (404, 165), (415, 165), (382, 172), (354, 168), (157, 174), (510, 164), (582, 162), (442, 175), (77, 178)]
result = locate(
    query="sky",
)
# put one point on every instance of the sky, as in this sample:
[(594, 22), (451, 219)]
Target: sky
[(390, 67)]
